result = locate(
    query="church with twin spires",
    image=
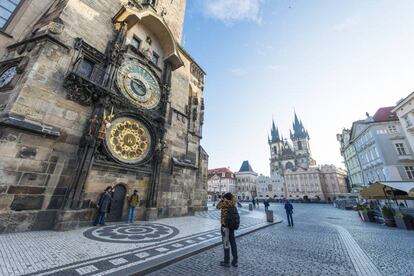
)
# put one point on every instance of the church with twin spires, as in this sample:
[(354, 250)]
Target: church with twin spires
[(290, 155)]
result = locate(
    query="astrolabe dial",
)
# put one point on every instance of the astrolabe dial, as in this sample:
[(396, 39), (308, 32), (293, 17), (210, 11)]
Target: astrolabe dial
[(128, 140), (139, 85), (7, 76)]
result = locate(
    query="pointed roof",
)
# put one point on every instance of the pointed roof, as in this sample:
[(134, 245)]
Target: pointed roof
[(245, 167), (299, 131), (275, 133)]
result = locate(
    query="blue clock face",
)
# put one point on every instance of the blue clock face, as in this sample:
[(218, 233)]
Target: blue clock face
[(139, 85)]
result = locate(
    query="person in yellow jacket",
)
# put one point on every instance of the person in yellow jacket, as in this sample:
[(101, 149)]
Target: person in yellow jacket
[(133, 202), (227, 201)]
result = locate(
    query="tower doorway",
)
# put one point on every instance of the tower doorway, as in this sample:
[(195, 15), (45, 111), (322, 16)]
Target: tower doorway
[(117, 206)]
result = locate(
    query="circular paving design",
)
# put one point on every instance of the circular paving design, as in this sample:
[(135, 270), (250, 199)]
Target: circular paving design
[(132, 233)]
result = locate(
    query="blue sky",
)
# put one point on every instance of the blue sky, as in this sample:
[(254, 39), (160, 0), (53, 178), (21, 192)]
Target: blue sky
[(330, 60)]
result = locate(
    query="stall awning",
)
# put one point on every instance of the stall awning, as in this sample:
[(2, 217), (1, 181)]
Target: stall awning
[(389, 190)]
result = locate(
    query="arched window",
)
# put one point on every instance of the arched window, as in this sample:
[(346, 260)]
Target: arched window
[(8, 9)]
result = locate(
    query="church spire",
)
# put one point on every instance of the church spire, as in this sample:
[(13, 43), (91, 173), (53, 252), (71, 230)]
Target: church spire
[(275, 133), (299, 131)]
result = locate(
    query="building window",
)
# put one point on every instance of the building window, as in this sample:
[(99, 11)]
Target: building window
[(410, 171), (155, 58), (400, 149), (408, 121), (136, 42), (85, 68), (392, 129), (7, 9)]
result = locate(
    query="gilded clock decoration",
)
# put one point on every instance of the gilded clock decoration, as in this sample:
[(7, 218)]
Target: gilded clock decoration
[(139, 85), (128, 140)]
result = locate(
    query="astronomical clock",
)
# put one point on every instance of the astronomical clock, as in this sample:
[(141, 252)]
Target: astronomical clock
[(128, 138), (139, 85)]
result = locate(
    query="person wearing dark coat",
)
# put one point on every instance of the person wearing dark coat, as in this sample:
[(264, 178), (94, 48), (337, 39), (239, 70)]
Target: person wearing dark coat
[(104, 206), (266, 204), (289, 212), (229, 240), (254, 202)]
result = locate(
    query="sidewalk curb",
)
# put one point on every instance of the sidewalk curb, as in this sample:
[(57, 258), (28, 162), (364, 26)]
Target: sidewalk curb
[(167, 260)]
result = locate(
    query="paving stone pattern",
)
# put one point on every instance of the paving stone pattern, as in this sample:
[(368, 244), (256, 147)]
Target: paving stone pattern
[(324, 241), (94, 251)]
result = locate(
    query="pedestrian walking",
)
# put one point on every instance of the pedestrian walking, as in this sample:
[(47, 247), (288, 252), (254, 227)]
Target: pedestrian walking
[(254, 202), (257, 202), (266, 204), (289, 212), (104, 206), (230, 221), (133, 202)]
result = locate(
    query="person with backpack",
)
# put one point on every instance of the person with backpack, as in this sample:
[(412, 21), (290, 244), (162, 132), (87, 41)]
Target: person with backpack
[(133, 202), (230, 221), (289, 212)]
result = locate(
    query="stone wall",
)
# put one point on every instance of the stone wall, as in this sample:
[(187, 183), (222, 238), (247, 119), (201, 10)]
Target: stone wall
[(38, 155), (175, 13)]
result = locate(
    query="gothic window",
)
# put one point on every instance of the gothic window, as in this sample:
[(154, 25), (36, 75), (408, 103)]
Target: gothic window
[(136, 42), (155, 58), (300, 146), (8, 9)]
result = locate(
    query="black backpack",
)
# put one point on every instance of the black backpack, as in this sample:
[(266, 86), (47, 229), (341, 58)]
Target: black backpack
[(232, 219)]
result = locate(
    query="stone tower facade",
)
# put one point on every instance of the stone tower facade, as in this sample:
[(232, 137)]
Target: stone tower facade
[(96, 94), (289, 155), (174, 13)]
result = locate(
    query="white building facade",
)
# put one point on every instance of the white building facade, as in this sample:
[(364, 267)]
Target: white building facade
[(382, 149), (324, 183), (246, 182), (405, 112), (273, 186), (220, 180)]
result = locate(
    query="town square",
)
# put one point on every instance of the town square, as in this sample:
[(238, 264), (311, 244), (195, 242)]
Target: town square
[(206, 137)]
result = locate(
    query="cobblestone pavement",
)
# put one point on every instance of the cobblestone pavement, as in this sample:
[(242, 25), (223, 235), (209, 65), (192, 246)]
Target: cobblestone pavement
[(110, 249), (324, 241)]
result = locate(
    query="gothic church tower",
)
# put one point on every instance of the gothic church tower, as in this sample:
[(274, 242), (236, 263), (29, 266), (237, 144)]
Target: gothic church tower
[(290, 155), (300, 139)]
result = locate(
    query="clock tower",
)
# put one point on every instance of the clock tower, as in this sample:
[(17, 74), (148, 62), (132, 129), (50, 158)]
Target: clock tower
[(98, 95)]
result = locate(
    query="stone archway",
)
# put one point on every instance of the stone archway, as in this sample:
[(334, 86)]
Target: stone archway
[(117, 205)]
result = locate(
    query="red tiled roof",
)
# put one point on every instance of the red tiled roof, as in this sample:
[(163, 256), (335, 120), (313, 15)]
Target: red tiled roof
[(219, 171), (385, 114)]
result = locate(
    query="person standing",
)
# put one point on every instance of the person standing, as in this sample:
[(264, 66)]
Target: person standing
[(289, 212), (266, 204), (254, 202), (133, 202), (104, 206), (230, 221)]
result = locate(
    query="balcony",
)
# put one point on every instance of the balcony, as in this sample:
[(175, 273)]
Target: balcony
[(86, 82)]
